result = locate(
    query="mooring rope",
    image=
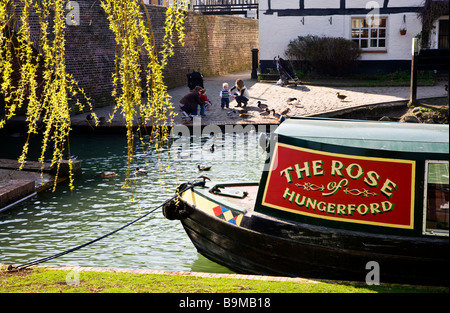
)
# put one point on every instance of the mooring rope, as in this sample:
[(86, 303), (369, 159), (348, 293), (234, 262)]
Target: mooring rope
[(57, 255)]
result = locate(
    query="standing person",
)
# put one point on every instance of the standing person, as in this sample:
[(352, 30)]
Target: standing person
[(190, 101), (205, 100), (243, 96), (225, 96)]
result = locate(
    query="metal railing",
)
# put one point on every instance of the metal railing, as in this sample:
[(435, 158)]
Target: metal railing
[(225, 6)]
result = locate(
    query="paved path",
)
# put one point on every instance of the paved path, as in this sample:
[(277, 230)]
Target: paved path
[(313, 100)]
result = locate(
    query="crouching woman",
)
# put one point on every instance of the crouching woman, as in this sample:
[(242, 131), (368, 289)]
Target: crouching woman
[(189, 103)]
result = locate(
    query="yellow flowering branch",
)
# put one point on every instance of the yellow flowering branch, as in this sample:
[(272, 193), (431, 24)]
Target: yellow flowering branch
[(134, 40), (131, 33)]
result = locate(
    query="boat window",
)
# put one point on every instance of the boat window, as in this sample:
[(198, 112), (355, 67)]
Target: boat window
[(436, 198)]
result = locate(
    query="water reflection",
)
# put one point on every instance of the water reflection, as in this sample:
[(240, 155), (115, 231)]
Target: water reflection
[(55, 221)]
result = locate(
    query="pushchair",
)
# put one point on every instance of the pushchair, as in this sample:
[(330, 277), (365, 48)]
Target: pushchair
[(286, 72), (195, 79)]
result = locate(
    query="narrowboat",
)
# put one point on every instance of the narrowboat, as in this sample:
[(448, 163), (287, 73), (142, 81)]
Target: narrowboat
[(336, 199)]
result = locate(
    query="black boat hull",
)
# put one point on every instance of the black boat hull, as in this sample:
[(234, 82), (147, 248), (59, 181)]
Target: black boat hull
[(346, 200), (292, 249)]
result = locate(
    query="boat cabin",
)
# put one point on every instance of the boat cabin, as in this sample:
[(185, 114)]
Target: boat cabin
[(381, 177)]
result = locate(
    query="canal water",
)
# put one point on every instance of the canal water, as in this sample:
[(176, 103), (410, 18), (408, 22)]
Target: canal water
[(51, 222)]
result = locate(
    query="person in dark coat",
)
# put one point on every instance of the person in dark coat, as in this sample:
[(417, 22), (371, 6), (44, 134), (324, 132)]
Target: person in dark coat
[(190, 102)]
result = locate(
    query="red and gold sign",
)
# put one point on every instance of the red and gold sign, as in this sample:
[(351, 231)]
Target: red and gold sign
[(355, 189)]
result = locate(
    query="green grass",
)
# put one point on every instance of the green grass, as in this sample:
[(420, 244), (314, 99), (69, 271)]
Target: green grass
[(59, 281)]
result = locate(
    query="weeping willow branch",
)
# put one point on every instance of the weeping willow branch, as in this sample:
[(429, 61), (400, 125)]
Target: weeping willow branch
[(134, 41), (131, 35), (6, 60)]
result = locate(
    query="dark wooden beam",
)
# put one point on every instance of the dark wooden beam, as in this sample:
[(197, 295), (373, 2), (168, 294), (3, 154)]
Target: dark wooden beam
[(339, 11)]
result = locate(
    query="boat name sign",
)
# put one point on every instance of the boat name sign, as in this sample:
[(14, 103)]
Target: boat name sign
[(345, 188)]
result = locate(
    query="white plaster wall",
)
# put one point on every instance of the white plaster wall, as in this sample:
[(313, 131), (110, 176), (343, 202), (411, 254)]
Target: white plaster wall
[(334, 4), (321, 4), (263, 5), (282, 4), (399, 47), (275, 33), (405, 3), (352, 4)]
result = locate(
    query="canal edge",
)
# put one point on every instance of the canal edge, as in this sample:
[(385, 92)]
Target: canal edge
[(4, 267)]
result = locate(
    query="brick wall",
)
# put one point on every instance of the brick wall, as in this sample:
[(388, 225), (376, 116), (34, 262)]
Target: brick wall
[(214, 45), (90, 50)]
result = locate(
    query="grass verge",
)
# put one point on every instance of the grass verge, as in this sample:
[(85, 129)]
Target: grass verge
[(41, 280)]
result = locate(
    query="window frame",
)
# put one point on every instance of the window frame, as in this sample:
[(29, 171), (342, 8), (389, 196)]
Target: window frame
[(369, 37), (425, 231)]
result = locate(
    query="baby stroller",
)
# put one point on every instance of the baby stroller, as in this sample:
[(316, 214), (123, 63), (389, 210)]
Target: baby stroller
[(286, 73), (195, 79)]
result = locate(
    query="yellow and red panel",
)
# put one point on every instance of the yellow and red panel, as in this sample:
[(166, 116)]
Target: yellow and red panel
[(339, 187), (212, 208)]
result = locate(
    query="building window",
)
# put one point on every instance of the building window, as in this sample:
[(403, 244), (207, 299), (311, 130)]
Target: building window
[(443, 34), (436, 198), (369, 36)]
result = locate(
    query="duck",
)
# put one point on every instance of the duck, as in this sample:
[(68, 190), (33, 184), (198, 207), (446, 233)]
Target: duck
[(140, 171), (285, 111), (275, 113), (262, 106), (341, 97), (203, 168), (244, 115), (183, 155), (108, 174), (265, 113), (280, 118), (72, 157), (290, 100), (232, 113)]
